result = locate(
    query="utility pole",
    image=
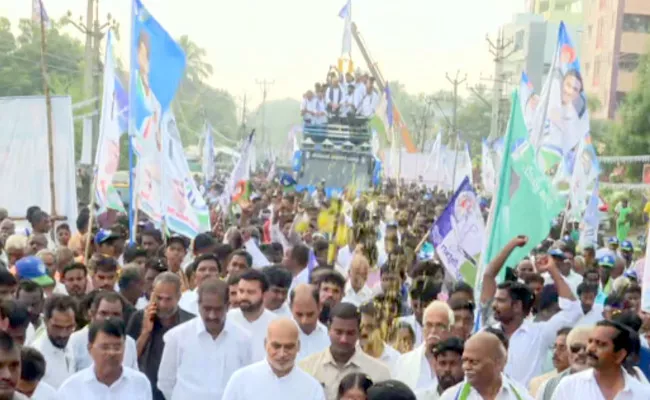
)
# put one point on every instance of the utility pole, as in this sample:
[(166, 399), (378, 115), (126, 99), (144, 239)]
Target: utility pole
[(244, 112), (265, 87), (455, 82), (498, 50)]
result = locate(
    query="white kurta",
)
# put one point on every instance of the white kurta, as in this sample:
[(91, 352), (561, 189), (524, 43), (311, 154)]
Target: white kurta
[(78, 343), (356, 298), (414, 370), (313, 343), (258, 381), (44, 392), (132, 385), (256, 329), (59, 362), (195, 366), (583, 385), (510, 390), (189, 302)]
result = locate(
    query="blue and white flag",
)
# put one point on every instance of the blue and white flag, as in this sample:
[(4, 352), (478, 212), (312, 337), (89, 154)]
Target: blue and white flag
[(459, 233), (346, 14), (590, 221), (40, 14)]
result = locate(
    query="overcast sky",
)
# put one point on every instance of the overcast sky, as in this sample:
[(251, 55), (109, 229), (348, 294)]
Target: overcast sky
[(294, 41)]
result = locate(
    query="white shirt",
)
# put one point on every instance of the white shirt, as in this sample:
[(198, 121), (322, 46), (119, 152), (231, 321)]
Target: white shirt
[(583, 385), (195, 366), (302, 277), (344, 257), (389, 356), (320, 108), (78, 343), (132, 385), (31, 334), (256, 329), (417, 328), (258, 381), (594, 315), (284, 311), (190, 302), (44, 392), (510, 390), (414, 370), (309, 106), (573, 280), (367, 105), (357, 298), (142, 303), (59, 362), (313, 343), (534, 339), (347, 104), (334, 95)]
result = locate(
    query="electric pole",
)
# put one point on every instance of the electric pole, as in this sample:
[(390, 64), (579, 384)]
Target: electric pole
[(498, 50), (265, 87), (244, 112), (455, 82)]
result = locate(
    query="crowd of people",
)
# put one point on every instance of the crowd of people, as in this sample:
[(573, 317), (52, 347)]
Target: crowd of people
[(303, 297), (343, 99)]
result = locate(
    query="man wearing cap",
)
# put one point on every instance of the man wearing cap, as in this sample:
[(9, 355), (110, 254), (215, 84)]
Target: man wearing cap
[(32, 268), (564, 261), (605, 266), (175, 253), (627, 252), (105, 241)]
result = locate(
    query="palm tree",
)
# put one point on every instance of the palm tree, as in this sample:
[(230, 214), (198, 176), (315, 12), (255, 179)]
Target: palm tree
[(197, 69)]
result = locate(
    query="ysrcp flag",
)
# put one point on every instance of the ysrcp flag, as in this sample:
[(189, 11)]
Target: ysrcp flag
[(561, 120), (584, 177), (529, 100), (108, 144), (458, 234), (590, 221), (157, 67), (185, 212)]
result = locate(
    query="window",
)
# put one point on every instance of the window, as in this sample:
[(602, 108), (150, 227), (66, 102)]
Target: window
[(519, 40), (628, 61), (636, 23)]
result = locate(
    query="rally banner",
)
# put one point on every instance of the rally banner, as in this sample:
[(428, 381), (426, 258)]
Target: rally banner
[(207, 158), (185, 211), (488, 173), (561, 120), (584, 178), (459, 233), (522, 187), (157, 67), (590, 221), (107, 158), (241, 172)]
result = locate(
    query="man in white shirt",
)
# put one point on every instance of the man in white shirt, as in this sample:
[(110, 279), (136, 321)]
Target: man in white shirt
[(251, 314), (296, 262), (32, 369), (449, 368), (275, 299), (205, 266), (32, 296), (511, 304), (305, 307), (593, 312), (334, 98), (106, 378), (320, 109), (416, 368), (308, 107), (276, 377), (347, 106), (201, 355), (60, 324), (104, 305), (368, 102), (484, 358), (356, 292), (610, 343)]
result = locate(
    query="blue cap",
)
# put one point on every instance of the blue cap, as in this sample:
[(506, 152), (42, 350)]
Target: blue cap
[(287, 180), (556, 253), (612, 240), (607, 261), (32, 268), (626, 245), (105, 234), (630, 273)]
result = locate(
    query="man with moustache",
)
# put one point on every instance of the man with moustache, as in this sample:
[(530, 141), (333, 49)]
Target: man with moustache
[(251, 314), (417, 367), (484, 359), (9, 368), (201, 355), (560, 361), (449, 368), (609, 345), (148, 326), (577, 341), (277, 377)]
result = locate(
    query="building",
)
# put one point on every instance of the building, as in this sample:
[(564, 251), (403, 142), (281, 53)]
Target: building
[(533, 45), (617, 33), (569, 11)]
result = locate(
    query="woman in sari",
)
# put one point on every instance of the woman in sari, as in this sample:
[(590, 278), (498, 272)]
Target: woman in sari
[(623, 220)]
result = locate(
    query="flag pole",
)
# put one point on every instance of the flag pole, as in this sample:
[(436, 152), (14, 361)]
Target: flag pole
[(48, 108)]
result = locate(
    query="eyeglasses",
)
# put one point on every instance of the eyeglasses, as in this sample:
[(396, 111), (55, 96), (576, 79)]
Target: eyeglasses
[(576, 348)]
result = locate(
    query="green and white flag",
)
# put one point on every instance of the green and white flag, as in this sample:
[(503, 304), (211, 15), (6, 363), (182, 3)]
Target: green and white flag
[(525, 202)]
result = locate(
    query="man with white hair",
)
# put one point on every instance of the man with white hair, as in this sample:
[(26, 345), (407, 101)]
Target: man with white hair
[(416, 368)]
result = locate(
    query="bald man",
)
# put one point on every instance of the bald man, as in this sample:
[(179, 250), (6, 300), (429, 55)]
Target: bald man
[(305, 309), (356, 291), (276, 377), (484, 359), (416, 368)]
